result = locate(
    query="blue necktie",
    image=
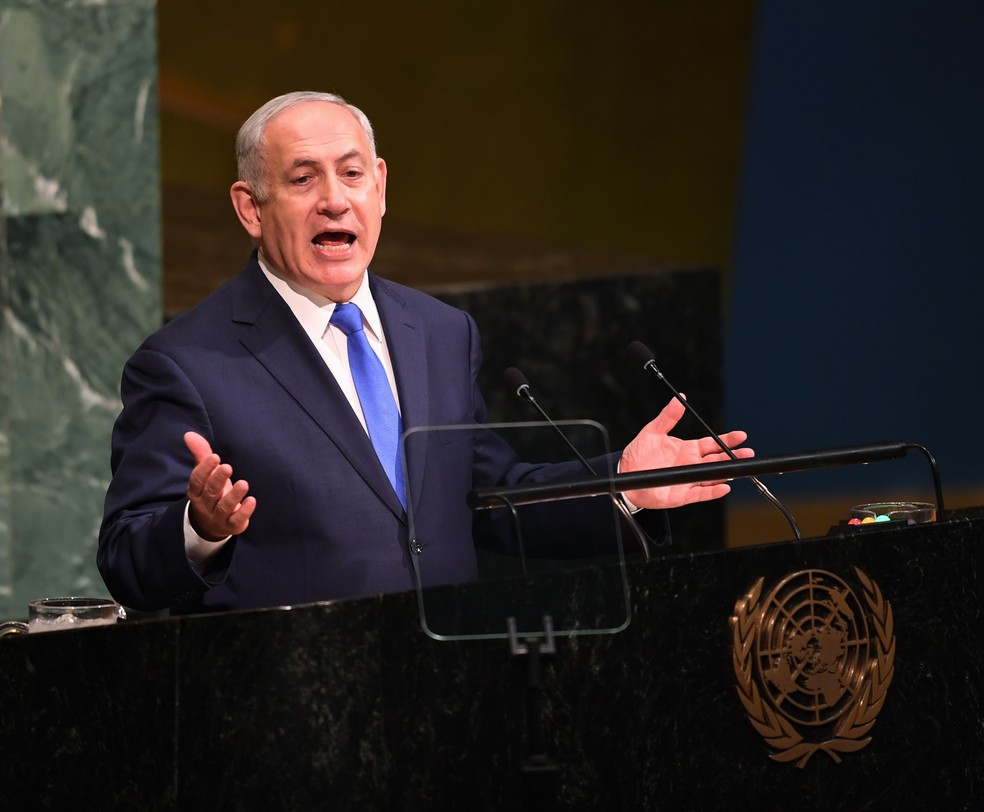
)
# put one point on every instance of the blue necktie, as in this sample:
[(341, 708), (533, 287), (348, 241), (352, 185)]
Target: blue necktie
[(375, 396)]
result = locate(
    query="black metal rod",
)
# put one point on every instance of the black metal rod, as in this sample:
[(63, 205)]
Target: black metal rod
[(484, 498)]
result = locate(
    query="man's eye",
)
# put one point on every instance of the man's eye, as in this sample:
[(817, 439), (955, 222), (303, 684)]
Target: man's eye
[(352, 174), (302, 180)]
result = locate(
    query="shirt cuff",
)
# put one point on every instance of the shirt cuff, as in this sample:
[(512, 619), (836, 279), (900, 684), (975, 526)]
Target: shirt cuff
[(199, 551), (628, 502)]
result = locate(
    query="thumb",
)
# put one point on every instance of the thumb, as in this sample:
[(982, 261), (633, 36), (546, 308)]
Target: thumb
[(197, 445), (667, 419)]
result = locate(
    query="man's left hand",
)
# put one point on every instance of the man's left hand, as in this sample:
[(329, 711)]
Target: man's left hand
[(653, 447)]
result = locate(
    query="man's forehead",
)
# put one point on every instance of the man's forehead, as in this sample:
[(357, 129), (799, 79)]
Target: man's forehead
[(313, 128)]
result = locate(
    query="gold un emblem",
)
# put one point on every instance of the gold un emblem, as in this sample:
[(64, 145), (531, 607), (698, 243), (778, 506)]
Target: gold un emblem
[(813, 663)]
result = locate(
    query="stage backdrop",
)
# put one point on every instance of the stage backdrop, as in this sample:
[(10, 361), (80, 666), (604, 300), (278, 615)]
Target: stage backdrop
[(857, 275)]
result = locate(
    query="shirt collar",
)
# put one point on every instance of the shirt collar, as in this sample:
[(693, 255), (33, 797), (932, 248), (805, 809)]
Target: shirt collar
[(314, 311)]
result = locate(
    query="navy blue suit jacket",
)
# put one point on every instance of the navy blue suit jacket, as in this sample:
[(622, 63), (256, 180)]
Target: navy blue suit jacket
[(239, 370)]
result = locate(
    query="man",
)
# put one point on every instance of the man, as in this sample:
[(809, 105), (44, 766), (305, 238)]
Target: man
[(277, 494)]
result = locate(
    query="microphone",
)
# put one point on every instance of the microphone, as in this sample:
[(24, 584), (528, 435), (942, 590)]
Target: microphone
[(642, 355), (518, 383)]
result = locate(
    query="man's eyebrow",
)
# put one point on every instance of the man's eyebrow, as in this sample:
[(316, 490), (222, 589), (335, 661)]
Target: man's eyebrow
[(352, 155)]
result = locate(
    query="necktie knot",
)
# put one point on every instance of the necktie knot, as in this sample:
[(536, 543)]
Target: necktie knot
[(347, 318)]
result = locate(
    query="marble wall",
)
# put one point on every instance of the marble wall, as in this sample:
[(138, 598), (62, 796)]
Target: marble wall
[(80, 272)]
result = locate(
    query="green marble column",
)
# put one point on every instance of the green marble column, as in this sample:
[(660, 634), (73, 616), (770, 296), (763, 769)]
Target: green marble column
[(80, 272)]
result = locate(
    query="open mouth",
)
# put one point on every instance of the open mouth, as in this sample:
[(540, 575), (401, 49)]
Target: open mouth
[(330, 241)]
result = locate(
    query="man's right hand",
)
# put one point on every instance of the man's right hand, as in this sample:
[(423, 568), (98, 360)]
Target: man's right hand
[(219, 507)]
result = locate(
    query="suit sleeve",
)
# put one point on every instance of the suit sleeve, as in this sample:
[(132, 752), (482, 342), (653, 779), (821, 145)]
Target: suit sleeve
[(141, 553)]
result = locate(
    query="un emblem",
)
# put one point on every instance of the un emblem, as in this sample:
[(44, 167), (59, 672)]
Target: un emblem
[(813, 663)]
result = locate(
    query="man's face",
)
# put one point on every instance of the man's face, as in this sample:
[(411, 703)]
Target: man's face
[(325, 197)]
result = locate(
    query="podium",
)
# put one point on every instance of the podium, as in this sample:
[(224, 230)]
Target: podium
[(350, 705)]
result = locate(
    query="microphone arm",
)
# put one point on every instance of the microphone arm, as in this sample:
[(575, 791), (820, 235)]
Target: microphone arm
[(485, 498), (517, 381), (642, 354)]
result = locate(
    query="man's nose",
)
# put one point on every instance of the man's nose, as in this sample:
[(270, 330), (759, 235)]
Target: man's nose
[(332, 201)]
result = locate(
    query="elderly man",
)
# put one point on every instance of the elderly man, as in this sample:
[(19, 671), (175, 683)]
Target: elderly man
[(256, 461)]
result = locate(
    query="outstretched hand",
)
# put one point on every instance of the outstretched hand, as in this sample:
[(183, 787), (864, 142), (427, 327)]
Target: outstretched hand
[(653, 447), (219, 507)]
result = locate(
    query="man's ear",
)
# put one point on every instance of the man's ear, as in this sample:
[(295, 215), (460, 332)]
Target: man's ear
[(381, 185), (247, 209)]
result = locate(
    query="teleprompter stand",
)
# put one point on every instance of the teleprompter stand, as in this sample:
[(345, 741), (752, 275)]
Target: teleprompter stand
[(539, 771)]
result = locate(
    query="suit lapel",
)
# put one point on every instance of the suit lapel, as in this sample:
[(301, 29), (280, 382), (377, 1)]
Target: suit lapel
[(407, 348), (279, 343)]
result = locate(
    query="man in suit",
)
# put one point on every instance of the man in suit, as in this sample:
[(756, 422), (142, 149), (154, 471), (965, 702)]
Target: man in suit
[(246, 463)]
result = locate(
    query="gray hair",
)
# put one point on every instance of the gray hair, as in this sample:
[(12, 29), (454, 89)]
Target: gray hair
[(250, 141)]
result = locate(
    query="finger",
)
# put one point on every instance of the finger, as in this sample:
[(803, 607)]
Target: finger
[(235, 508), (733, 439), (218, 483), (708, 445), (239, 519), (200, 475), (739, 454), (231, 498), (708, 491), (667, 419), (712, 483)]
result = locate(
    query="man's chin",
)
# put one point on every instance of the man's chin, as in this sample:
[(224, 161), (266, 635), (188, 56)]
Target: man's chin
[(337, 283)]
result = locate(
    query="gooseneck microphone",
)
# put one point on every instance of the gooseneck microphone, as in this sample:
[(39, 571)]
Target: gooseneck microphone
[(517, 383), (642, 355)]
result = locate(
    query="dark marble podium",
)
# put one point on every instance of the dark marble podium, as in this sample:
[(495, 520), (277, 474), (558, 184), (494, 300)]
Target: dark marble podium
[(350, 705)]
